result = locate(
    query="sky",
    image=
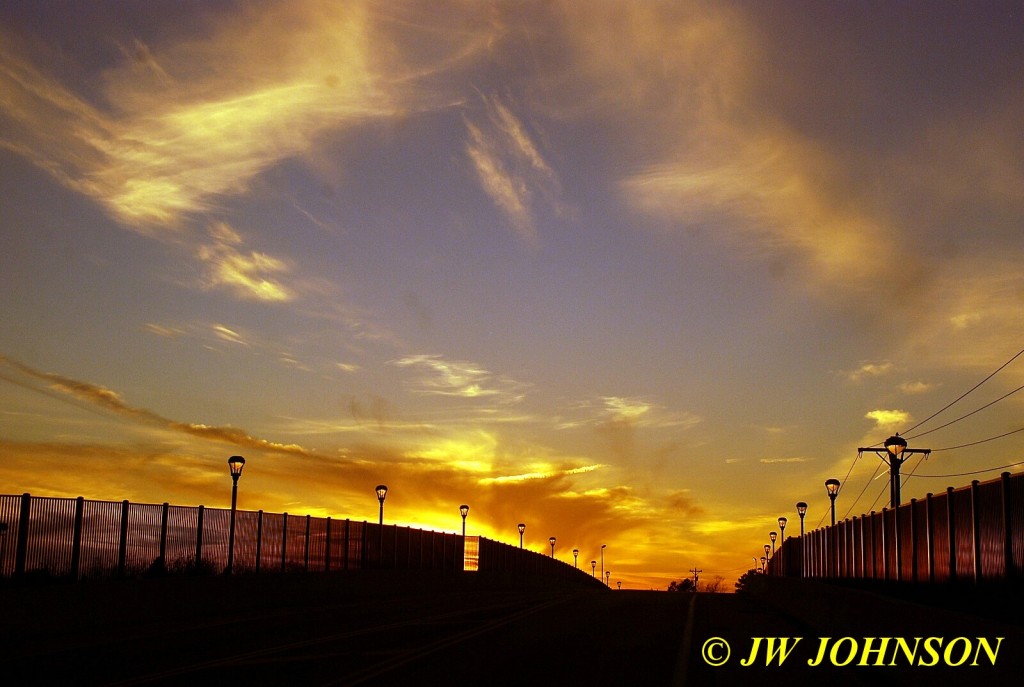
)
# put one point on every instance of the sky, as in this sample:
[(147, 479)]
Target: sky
[(634, 274)]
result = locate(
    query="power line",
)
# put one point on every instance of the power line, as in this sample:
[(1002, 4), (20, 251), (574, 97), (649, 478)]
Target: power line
[(983, 441), (866, 485), (964, 395), (964, 417), (975, 472)]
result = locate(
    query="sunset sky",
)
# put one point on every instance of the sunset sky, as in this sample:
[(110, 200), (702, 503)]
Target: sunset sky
[(641, 274)]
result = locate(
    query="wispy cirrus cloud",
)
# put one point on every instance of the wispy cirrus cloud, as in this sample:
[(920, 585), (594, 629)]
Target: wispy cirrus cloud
[(460, 378), (250, 275), (510, 168), (100, 397), (632, 412)]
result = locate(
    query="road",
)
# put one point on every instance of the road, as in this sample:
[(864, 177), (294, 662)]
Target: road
[(336, 630)]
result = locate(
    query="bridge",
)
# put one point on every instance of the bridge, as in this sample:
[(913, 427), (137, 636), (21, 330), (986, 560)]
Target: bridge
[(924, 592)]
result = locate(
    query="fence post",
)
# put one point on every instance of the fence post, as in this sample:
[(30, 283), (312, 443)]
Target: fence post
[(259, 539), (929, 531), (284, 542), (885, 549), (163, 536), (21, 545), (897, 540), (976, 529), (327, 546), (347, 523), (199, 537), (874, 550), (951, 526), (913, 540), (1009, 570), (122, 544), (305, 552), (76, 538)]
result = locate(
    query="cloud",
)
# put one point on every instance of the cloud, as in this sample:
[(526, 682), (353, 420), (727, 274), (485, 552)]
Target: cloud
[(108, 400), (249, 275), (770, 461), (912, 388), (510, 168), (460, 379), (885, 419), (868, 370)]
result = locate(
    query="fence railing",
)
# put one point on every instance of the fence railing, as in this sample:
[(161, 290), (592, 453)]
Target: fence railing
[(79, 538), (975, 533)]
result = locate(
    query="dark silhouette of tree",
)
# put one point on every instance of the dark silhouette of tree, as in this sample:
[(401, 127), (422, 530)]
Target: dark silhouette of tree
[(715, 585), (685, 585), (741, 583)]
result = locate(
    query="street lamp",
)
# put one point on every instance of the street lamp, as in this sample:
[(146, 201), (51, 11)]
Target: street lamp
[(619, 584), (773, 535), (801, 510), (575, 558), (763, 561), (767, 549), (522, 528), (782, 535), (235, 465), (551, 540), (832, 487), (608, 578), (382, 492), (463, 511), (593, 568), (895, 455)]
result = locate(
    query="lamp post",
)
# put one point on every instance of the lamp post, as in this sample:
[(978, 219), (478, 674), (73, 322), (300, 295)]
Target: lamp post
[(522, 528), (832, 487), (382, 492), (235, 465), (575, 558), (551, 540), (801, 510), (773, 535), (463, 511), (782, 535), (602, 559), (593, 568), (766, 557), (608, 579)]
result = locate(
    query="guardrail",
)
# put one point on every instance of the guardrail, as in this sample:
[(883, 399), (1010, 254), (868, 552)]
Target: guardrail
[(974, 533), (82, 539)]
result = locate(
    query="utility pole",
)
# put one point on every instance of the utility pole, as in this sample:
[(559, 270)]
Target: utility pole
[(696, 576), (894, 453)]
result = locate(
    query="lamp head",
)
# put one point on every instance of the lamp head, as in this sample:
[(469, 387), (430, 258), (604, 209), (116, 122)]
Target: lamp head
[(801, 509), (782, 523), (773, 535), (832, 487), (895, 445), (235, 465), (464, 510), (522, 527), (382, 491)]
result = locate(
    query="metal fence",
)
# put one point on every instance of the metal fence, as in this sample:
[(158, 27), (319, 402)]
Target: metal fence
[(975, 533), (79, 539)]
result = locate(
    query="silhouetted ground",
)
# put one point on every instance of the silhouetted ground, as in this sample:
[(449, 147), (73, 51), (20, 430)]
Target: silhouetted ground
[(406, 629)]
